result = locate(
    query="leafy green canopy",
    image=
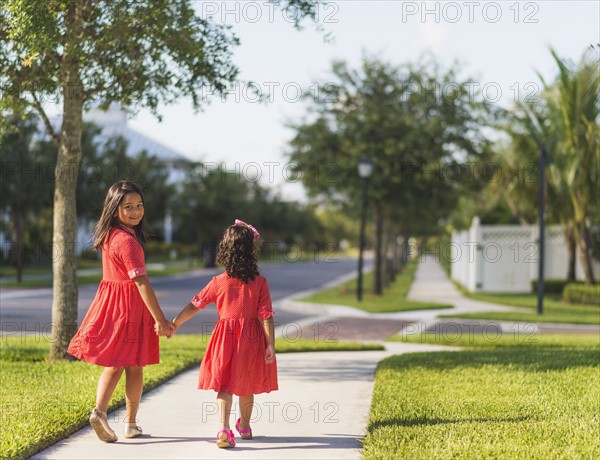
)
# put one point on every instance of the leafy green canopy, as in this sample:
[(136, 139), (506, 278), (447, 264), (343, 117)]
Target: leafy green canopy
[(419, 126), (133, 52)]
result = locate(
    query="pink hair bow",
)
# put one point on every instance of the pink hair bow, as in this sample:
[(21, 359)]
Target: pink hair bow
[(244, 224)]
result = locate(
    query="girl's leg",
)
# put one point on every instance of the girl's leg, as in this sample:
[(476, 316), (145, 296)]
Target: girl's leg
[(224, 400), (106, 386), (246, 406), (134, 383)]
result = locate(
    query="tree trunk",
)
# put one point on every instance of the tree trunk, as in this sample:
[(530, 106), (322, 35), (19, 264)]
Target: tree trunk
[(395, 257), (64, 262), (405, 249), (584, 254), (377, 271), (16, 241), (389, 253), (384, 251), (571, 243)]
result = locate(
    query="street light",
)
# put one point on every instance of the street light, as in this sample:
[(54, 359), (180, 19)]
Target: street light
[(365, 167), (542, 206)]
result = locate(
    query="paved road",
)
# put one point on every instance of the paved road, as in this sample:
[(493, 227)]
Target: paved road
[(30, 311)]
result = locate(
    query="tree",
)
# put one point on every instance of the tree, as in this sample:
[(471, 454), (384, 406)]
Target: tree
[(25, 188), (529, 125), (412, 133), (574, 103), (565, 119), (144, 53), (211, 199)]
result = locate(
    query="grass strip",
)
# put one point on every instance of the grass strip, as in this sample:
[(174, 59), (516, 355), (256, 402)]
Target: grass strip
[(43, 402), (540, 401), (392, 300)]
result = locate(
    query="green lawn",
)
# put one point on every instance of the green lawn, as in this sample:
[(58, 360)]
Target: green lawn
[(555, 311), (508, 400), (393, 299), (45, 402)]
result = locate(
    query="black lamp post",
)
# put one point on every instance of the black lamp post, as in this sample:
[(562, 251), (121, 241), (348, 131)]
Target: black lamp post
[(365, 167), (540, 284)]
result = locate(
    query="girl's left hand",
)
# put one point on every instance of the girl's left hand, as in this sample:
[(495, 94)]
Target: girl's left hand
[(164, 328), (270, 354)]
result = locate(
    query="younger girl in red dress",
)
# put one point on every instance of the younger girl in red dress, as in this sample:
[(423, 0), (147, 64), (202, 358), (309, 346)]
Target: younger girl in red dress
[(120, 328), (240, 356)]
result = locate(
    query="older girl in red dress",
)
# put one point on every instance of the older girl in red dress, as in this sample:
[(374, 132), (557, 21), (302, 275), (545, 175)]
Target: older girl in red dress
[(120, 328), (240, 357)]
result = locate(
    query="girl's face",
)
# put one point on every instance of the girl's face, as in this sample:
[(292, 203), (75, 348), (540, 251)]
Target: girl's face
[(130, 210)]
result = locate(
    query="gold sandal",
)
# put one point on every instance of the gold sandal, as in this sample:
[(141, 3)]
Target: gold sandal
[(99, 422), (132, 431)]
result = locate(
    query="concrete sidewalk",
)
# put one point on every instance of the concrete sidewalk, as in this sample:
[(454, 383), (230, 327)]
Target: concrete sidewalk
[(320, 412)]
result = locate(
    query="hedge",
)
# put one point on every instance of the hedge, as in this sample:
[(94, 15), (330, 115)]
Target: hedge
[(552, 286), (582, 294)]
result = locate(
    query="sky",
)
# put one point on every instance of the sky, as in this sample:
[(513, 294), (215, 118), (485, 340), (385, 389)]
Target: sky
[(499, 45)]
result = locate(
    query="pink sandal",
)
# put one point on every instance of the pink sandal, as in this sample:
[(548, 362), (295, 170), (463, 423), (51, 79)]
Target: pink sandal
[(225, 443), (244, 434)]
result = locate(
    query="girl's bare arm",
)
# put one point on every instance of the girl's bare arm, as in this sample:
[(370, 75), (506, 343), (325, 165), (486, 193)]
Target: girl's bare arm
[(188, 311), (269, 328), (149, 297)]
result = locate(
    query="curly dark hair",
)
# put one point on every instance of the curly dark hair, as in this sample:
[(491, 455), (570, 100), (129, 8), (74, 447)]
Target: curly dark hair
[(237, 253)]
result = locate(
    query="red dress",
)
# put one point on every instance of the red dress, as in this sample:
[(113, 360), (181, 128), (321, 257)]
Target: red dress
[(118, 329), (235, 356)]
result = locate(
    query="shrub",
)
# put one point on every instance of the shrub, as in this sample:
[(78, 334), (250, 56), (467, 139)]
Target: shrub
[(552, 286), (582, 294)]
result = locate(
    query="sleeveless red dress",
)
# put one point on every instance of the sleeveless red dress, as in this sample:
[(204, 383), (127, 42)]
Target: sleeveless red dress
[(118, 329), (234, 360)]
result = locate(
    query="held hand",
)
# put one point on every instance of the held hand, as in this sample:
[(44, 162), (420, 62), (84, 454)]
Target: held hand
[(270, 354), (164, 328), (173, 329)]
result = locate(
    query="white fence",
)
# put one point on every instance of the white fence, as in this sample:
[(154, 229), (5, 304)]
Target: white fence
[(505, 258)]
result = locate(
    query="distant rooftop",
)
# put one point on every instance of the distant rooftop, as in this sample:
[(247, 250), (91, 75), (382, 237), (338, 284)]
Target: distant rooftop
[(114, 123)]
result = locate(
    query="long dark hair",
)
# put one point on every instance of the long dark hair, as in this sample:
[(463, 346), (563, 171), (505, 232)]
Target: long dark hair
[(108, 220), (237, 253)]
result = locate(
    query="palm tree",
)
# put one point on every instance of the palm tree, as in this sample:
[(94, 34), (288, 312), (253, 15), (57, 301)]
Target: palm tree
[(565, 118), (574, 110)]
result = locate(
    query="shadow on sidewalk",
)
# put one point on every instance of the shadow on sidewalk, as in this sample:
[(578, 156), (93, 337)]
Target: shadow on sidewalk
[(147, 439), (328, 441)]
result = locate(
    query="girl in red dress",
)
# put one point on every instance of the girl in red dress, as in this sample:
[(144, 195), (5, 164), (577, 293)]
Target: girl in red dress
[(120, 330), (240, 356)]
